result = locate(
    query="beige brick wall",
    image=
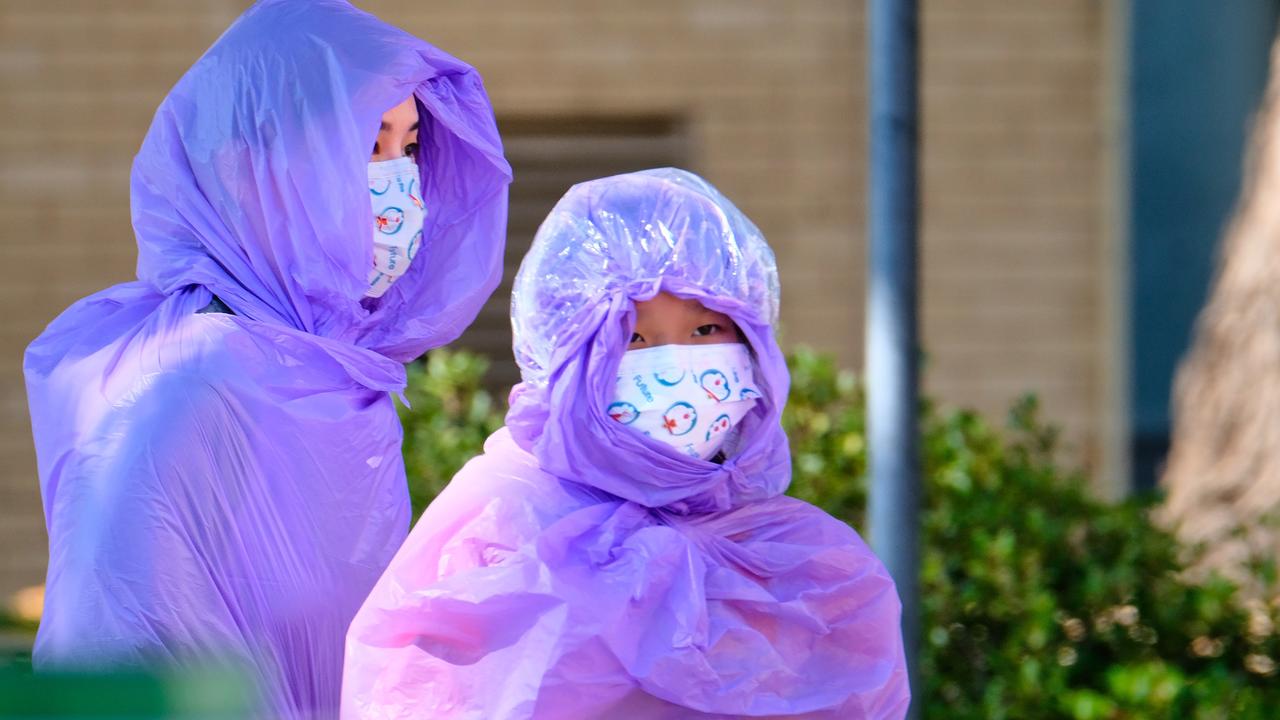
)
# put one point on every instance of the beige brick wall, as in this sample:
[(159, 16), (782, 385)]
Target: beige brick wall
[(773, 94), (1016, 251)]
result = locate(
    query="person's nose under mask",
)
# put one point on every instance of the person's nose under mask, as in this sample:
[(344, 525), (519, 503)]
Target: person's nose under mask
[(690, 397)]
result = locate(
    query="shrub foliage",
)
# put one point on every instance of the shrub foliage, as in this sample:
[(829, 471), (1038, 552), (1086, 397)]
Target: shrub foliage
[(1038, 599)]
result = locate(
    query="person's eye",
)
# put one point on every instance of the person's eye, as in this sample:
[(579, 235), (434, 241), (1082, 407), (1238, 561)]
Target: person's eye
[(709, 329), (636, 337), (411, 150)]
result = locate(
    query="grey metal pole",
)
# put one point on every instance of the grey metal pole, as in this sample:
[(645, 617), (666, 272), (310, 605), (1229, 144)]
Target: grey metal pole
[(892, 352)]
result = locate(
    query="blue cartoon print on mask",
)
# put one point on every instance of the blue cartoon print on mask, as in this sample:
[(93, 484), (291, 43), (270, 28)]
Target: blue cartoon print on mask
[(721, 424), (415, 245), (623, 412), (680, 418), (670, 377), (716, 385), (389, 221)]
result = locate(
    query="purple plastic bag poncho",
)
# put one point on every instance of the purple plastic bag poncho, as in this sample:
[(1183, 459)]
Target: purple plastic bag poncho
[(579, 570), (231, 486)]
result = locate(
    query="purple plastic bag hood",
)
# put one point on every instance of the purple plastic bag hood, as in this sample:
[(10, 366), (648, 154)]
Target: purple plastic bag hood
[(252, 180), (231, 486), (606, 244), (578, 570)]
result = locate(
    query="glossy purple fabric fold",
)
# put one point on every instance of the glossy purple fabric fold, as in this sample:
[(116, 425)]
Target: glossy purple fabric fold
[(229, 486), (578, 569)]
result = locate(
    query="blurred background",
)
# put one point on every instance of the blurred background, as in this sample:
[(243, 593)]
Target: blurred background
[(1080, 161), (1080, 158)]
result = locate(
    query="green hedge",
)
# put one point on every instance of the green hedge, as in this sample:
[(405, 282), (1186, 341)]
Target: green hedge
[(1039, 601)]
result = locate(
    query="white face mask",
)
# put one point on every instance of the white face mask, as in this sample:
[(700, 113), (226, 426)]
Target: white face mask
[(687, 396), (398, 212)]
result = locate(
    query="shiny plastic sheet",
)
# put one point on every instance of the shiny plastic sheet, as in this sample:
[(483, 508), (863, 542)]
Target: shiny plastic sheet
[(577, 569), (230, 486)]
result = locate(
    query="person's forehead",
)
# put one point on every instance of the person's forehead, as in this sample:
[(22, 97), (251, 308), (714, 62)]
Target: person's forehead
[(670, 304), (695, 306), (405, 112)]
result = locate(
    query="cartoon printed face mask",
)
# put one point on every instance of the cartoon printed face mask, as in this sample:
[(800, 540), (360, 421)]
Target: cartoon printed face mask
[(398, 212), (687, 396)]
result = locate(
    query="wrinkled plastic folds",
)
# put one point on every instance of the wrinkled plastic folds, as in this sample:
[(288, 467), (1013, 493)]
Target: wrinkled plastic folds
[(230, 486), (577, 569)]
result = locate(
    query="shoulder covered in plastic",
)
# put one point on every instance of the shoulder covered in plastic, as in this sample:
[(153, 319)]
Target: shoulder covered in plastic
[(217, 371), (504, 497), (520, 589), (499, 501), (229, 352)]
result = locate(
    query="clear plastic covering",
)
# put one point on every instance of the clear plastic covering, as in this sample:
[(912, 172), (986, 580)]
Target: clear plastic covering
[(578, 569), (231, 485), (605, 245)]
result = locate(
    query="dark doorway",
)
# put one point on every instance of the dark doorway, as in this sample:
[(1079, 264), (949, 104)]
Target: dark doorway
[(1198, 71), (547, 156)]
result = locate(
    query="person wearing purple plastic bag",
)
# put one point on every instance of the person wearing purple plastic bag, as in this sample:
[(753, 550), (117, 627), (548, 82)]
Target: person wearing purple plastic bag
[(218, 448), (623, 549)]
